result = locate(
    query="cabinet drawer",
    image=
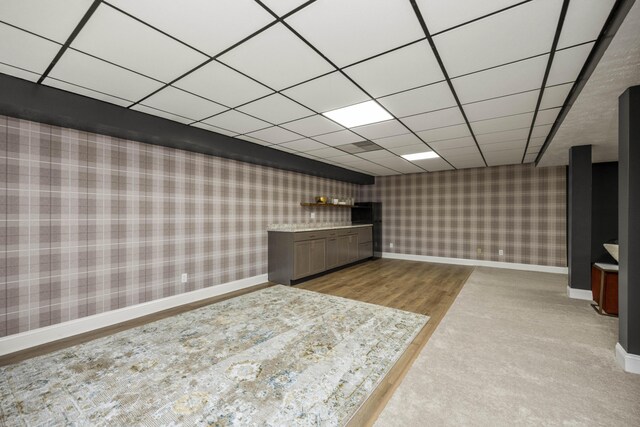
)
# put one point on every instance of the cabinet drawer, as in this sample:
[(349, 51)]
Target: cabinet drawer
[(308, 235), (364, 234), (365, 250)]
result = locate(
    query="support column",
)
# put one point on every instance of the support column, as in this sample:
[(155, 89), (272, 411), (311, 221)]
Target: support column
[(579, 222), (628, 347)]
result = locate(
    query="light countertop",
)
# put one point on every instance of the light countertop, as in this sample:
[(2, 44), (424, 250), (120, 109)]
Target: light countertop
[(291, 228)]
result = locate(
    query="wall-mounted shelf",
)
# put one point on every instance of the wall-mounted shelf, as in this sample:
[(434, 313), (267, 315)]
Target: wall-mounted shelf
[(326, 205)]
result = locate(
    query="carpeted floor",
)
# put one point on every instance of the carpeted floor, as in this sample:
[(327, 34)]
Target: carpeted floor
[(515, 350), (275, 357)]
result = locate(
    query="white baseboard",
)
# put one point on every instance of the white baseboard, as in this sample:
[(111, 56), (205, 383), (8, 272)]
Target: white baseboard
[(629, 362), (476, 262), (583, 294), (47, 334)]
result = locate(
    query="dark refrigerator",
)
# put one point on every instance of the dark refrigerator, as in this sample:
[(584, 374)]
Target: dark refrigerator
[(370, 213)]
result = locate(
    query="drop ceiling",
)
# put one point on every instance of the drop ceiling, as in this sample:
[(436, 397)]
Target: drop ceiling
[(479, 83)]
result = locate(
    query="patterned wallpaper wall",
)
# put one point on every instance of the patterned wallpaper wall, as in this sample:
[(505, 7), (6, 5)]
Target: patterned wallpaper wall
[(519, 209), (93, 223)]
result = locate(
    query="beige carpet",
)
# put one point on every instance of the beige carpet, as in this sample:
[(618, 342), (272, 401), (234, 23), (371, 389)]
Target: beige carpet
[(514, 350)]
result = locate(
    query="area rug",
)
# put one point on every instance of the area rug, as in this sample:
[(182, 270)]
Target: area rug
[(279, 356)]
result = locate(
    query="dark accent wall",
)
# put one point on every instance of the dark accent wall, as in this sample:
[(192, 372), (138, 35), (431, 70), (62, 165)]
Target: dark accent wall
[(579, 226), (604, 210)]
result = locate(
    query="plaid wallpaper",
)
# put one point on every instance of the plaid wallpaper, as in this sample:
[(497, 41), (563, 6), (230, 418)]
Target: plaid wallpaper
[(93, 223), (520, 209)]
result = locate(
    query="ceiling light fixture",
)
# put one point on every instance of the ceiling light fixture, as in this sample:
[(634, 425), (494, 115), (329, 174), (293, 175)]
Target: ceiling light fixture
[(421, 156), (359, 114)]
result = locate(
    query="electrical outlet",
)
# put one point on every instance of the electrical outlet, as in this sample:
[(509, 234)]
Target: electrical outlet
[(391, 245), (479, 251), (313, 215), (185, 277), (500, 252)]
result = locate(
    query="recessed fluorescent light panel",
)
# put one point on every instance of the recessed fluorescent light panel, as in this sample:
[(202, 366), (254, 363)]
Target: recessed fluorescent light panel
[(359, 114), (421, 156)]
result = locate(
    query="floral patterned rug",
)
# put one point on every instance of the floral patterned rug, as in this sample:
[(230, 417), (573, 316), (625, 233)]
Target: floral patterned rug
[(279, 356)]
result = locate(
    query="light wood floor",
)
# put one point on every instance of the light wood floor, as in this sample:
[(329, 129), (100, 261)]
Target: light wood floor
[(418, 287)]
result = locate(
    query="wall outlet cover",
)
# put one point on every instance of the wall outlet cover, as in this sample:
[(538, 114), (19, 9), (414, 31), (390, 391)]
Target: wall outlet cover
[(185, 277), (500, 252), (313, 215), (390, 245)]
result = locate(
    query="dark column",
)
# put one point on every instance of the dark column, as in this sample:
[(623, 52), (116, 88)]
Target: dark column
[(629, 219), (579, 226)]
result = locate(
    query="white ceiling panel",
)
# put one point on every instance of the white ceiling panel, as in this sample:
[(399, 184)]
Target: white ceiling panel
[(304, 145), (428, 98), (378, 170), (338, 138), (410, 149), (184, 104), (381, 129), (23, 50), (19, 72), (584, 21), (277, 58), (210, 128), (327, 153), (555, 96), (517, 33), (85, 91), (434, 165), (312, 126), (220, 83), (506, 80), (274, 135), (435, 119), (347, 32), (541, 131), (327, 93), (504, 157), (504, 106), (120, 39), (402, 69), (401, 165), (516, 121), (283, 148), (468, 162), (210, 26), (84, 70), (508, 145), (536, 142), (440, 15), (36, 16), (378, 156), (547, 116), (276, 109), (449, 132), (255, 140), (348, 159), (464, 142), (282, 7), (399, 141), (160, 113), (236, 121), (530, 157), (568, 63), (509, 135)]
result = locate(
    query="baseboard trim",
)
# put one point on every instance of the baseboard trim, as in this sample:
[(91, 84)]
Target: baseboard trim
[(629, 362), (583, 294), (47, 334), (476, 262)]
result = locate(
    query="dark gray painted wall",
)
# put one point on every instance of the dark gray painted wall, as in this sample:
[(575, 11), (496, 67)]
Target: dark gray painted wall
[(604, 209), (579, 225)]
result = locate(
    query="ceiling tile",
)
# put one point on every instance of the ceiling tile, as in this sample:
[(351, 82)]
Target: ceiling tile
[(440, 15), (435, 119), (275, 109), (210, 26), (304, 145), (327, 153), (282, 148), (503, 106), (509, 135), (406, 68), (347, 159), (448, 144), (516, 121), (433, 165), (274, 135), (401, 165), (504, 157), (160, 113), (282, 7), (236, 121), (536, 142), (255, 140), (339, 138), (468, 163), (507, 145), (584, 21), (377, 156), (555, 96), (347, 32), (210, 128), (530, 157), (23, 50), (220, 83), (19, 72), (506, 80), (459, 152), (410, 149), (399, 141), (378, 170), (517, 33), (448, 132), (184, 104), (381, 129), (120, 39), (327, 93), (312, 126), (567, 64), (36, 16), (541, 131), (84, 70), (85, 92), (277, 58), (428, 98), (547, 116)]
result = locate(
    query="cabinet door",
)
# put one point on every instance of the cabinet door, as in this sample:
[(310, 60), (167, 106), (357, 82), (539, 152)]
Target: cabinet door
[(318, 256), (301, 259), (343, 250), (365, 250), (332, 253), (352, 245)]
